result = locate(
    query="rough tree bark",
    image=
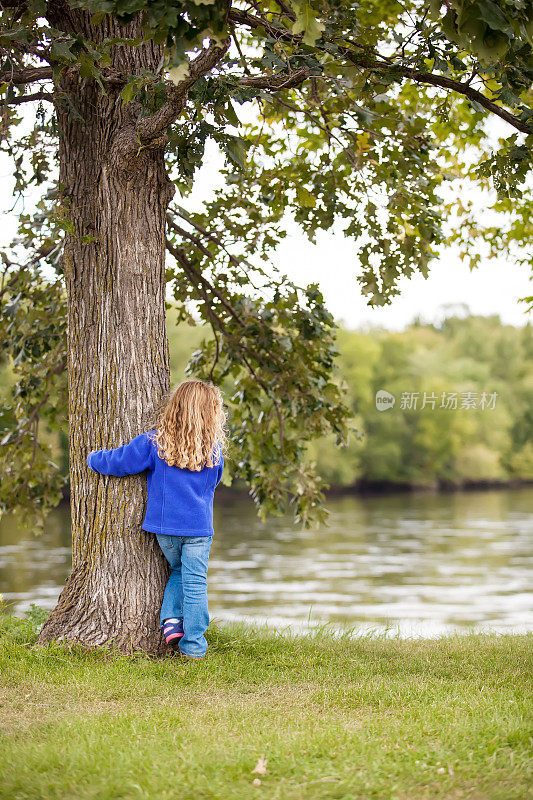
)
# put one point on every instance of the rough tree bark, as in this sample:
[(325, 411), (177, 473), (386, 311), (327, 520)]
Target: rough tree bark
[(118, 360)]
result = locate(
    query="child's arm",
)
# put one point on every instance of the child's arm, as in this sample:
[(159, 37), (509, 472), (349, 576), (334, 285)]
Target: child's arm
[(220, 467), (129, 459)]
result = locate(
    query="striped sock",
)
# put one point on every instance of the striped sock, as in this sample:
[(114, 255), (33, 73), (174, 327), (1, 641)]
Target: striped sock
[(172, 629)]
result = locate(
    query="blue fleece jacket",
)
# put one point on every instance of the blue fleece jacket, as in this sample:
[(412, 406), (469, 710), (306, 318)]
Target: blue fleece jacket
[(180, 501)]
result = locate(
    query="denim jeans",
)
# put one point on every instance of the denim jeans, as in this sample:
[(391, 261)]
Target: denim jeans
[(186, 591)]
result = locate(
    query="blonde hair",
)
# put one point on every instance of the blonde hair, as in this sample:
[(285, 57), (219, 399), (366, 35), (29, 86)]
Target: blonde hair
[(189, 425)]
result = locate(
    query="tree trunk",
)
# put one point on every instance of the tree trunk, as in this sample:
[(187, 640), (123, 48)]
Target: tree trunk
[(118, 360)]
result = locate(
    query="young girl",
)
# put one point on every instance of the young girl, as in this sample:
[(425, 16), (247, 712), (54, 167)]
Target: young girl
[(184, 460)]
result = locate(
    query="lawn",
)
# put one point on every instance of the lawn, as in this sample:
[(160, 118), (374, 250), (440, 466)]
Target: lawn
[(335, 716)]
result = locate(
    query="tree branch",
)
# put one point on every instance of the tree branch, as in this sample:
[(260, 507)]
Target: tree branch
[(30, 49), (286, 10), (149, 128), (238, 46), (237, 262), (180, 257), (28, 75), (372, 65), (461, 88), (275, 83), (211, 237), (190, 236), (28, 98)]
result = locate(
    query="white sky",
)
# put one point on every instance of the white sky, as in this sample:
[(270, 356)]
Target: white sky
[(493, 288)]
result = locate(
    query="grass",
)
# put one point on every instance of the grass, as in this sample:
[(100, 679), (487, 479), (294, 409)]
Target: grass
[(335, 717)]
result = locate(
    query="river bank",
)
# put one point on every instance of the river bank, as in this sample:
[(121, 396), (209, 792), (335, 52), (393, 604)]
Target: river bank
[(363, 488), (342, 717)]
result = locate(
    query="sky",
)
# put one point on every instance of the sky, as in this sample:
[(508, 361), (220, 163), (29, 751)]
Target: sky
[(493, 288)]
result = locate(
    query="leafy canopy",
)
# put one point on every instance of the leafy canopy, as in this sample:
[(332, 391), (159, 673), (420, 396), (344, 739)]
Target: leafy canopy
[(365, 116)]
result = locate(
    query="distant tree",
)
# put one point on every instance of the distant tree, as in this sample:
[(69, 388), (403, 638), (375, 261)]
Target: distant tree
[(429, 441), (362, 112)]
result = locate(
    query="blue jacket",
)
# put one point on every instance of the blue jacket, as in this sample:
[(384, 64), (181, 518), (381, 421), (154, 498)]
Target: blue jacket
[(180, 501)]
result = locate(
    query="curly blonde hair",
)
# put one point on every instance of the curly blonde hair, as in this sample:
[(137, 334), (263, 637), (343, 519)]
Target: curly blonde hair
[(189, 425)]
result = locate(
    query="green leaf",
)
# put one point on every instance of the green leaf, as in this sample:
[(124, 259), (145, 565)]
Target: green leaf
[(307, 23), (305, 198), (61, 50), (235, 149), (128, 92), (231, 116), (494, 17)]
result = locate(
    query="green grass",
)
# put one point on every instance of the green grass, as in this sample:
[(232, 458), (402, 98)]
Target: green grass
[(336, 717)]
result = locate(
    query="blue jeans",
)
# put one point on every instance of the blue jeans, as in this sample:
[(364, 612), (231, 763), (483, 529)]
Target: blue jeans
[(186, 591)]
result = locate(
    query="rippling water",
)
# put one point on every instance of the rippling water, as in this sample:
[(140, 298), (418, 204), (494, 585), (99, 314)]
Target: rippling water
[(419, 564)]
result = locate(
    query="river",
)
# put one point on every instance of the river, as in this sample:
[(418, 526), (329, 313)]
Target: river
[(418, 564)]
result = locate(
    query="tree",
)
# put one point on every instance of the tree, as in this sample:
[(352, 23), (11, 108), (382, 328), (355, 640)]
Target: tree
[(360, 113)]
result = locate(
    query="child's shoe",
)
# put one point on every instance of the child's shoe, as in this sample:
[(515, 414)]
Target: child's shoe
[(172, 630)]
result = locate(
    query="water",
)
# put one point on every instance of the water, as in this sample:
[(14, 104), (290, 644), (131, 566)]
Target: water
[(413, 565)]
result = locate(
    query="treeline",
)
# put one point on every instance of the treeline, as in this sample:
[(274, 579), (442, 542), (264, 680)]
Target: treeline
[(474, 424), (463, 407), (463, 403)]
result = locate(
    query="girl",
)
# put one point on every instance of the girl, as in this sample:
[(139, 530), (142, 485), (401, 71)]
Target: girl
[(184, 460)]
